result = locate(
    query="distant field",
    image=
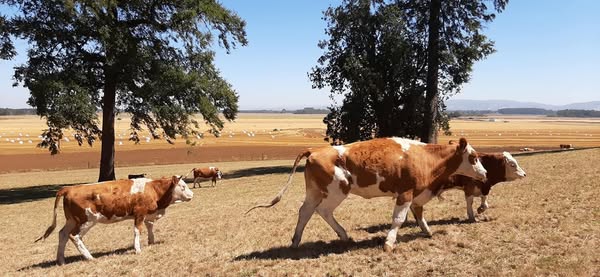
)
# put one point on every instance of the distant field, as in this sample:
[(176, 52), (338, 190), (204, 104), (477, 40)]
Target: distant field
[(544, 225), (268, 137)]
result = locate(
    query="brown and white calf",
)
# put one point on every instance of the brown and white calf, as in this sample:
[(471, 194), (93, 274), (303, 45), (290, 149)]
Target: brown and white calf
[(406, 170), (143, 200), (501, 167), (206, 172)]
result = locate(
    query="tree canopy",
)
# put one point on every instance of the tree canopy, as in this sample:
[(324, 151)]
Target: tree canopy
[(379, 57), (149, 58)]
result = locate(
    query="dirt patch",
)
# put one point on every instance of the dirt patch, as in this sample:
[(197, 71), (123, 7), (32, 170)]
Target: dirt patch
[(44, 161)]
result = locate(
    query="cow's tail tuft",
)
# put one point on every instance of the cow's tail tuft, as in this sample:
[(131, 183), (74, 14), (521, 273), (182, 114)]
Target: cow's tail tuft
[(278, 197), (59, 194)]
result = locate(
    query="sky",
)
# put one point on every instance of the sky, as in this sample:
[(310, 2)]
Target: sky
[(547, 52)]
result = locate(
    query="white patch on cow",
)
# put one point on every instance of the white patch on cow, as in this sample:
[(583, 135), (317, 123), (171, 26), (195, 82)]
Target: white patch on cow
[(423, 197), (100, 218), (512, 171), (138, 185), (406, 143), (398, 217), (136, 240), (211, 167), (370, 191), (341, 150)]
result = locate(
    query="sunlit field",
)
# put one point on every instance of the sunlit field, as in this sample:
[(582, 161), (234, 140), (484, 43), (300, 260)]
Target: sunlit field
[(545, 224)]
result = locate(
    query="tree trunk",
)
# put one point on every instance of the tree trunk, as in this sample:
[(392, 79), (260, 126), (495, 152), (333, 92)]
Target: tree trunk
[(107, 156), (429, 132)]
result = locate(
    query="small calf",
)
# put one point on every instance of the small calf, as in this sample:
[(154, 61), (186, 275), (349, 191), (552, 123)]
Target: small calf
[(135, 176), (206, 172), (501, 167)]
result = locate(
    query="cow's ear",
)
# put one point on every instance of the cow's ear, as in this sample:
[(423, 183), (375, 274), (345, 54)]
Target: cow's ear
[(462, 143), (175, 179)]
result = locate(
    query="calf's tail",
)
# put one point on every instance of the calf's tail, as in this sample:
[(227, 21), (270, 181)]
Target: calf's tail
[(278, 197), (59, 194)]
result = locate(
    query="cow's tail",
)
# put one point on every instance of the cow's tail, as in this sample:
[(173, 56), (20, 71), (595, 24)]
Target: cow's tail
[(278, 197), (183, 177), (59, 194)]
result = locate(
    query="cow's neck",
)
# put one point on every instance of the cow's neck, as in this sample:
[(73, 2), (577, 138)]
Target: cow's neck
[(495, 165), (447, 164), (164, 190)]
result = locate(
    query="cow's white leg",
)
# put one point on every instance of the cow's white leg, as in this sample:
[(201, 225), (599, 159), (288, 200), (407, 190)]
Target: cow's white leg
[(84, 228), (63, 238), (335, 196), (398, 218), (418, 213), (470, 214), (311, 201), (484, 204), (76, 239), (137, 230), (150, 228)]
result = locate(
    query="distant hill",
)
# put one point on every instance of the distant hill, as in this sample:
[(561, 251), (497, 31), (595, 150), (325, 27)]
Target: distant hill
[(494, 105)]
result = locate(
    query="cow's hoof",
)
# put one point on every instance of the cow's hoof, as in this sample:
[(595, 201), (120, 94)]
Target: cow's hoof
[(480, 210), (472, 220), (427, 234), (388, 248)]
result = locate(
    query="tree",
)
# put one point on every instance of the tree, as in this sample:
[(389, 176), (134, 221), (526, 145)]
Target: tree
[(149, 58), (394, 74)]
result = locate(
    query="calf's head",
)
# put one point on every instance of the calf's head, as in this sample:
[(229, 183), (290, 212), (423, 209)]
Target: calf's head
[(512, 169), (470, 165), (181, 191)]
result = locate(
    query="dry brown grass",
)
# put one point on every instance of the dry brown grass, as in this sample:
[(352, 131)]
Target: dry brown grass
[(546, 224)]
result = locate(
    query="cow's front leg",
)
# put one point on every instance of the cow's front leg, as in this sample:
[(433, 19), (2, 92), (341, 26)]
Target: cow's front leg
[(398, 217), (470, 214), (150, 227), (137, 230), (484, 204)]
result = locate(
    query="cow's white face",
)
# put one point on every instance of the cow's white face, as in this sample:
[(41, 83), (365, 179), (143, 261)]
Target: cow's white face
[(181, 192), (219, 174), (471, 165), (512, 169)]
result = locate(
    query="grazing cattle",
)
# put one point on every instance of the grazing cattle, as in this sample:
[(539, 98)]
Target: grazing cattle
[(206, 172), (501, 167), (407, 170), (566, 146), (135, 176), (143, 200)]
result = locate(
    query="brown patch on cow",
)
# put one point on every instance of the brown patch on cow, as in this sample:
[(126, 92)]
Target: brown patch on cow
[(494, 163)]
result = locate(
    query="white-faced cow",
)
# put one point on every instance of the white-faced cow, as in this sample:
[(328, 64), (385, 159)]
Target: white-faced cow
[(206, 172), (406, 170), (143, 200), (501, 167)]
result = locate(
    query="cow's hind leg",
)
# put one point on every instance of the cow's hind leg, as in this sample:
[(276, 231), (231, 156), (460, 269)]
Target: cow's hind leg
[(137, 230), (335, 196), (398, 217), (484, 204), (311, 201), (63, 238), (76, 239)]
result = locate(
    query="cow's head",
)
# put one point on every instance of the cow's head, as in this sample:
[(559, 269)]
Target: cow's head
[(219, 174), (512, 169), (181, 191), (470, 165)]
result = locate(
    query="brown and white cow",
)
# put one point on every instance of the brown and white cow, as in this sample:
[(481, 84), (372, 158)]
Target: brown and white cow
[(501, 167), (143, 200), (206, 172), (406, 170)]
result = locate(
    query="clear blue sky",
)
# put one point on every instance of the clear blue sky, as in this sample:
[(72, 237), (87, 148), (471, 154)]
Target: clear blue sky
[(547, 52)]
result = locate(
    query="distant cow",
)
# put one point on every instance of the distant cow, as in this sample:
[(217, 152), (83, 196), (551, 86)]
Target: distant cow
[(406, 170), (206, 172), (135, 176), (143, 200), (566, 146), (501, 167)]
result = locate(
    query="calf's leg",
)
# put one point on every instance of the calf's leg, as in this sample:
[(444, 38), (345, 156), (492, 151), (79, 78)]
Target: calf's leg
[(76, 239), (403, 203), (335, 196), (63, 237), (311, 201)]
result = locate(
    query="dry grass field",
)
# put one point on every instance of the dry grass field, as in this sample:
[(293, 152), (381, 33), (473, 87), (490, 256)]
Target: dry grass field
[(547, 224)]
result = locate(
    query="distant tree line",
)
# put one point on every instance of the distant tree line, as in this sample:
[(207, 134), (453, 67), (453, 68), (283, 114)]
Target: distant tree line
[(578, 113), (530, 111), (527, 111), (8, 111)]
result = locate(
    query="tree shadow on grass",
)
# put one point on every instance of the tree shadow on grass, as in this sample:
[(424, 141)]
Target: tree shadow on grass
[(264, 170), (77, 258), (28, 194)]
